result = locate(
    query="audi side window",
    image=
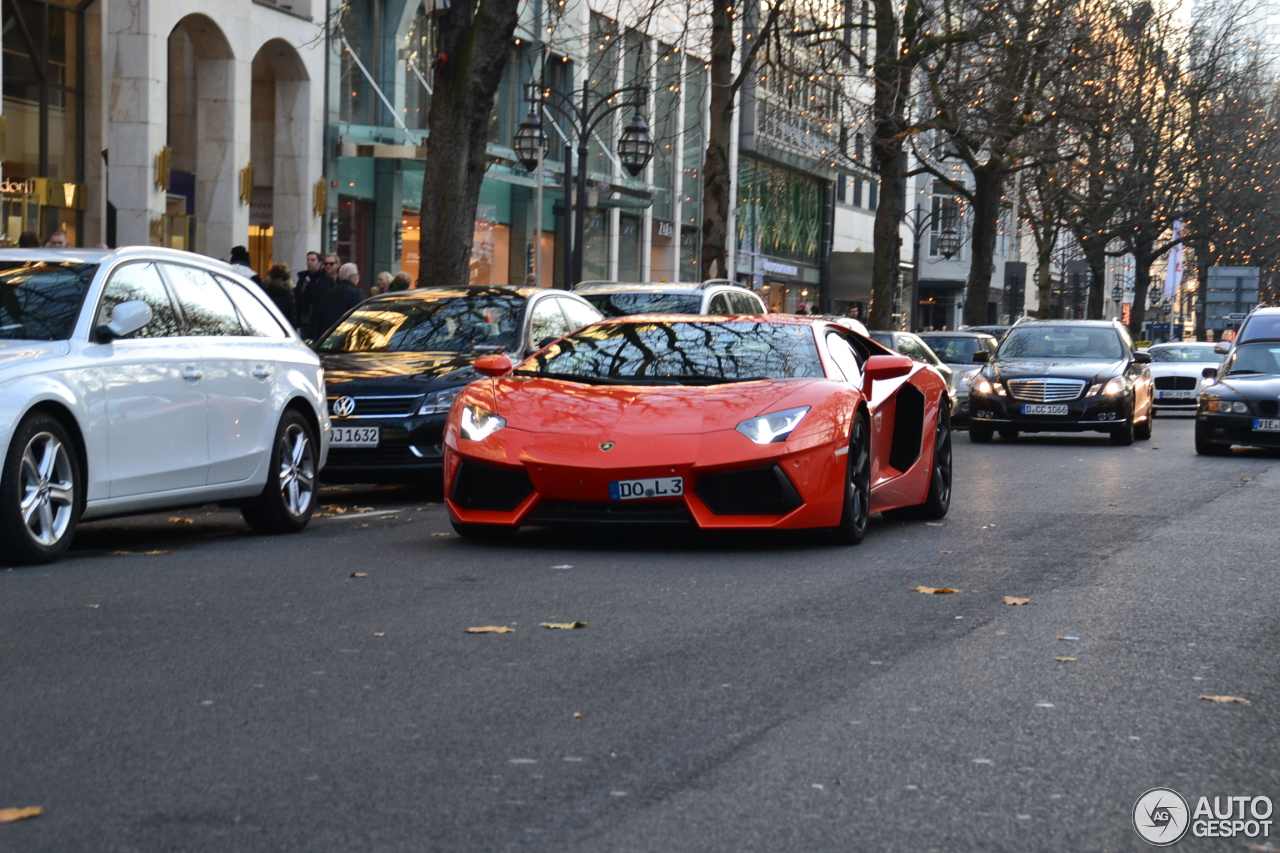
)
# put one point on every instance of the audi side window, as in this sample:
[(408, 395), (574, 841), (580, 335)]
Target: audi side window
[(845, 358), (547, 321), (207, 309), (140, 282), (258, 321), (578, 314), (719, 305)]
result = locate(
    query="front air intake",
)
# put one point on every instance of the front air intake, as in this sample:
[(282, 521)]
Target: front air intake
[(485, 488), (754, 491)]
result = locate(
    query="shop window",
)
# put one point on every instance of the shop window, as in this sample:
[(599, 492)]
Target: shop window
[(420, 49)]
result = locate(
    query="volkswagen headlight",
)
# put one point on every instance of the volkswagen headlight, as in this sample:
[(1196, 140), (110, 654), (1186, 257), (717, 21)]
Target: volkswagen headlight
[(772, 427), (438, 402), (478, 424)]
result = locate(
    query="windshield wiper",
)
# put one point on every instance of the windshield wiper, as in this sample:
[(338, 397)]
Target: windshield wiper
[(597, 380), (1242, 370)]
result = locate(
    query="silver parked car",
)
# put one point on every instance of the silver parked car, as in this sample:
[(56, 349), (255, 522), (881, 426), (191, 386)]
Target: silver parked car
[(142, 379)]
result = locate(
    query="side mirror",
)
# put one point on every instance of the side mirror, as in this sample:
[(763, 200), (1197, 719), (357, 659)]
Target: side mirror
[(493, 365), (982, 356), (881, 367), (1209, 373), (1142, 357), (1222, 348), (126, 318)]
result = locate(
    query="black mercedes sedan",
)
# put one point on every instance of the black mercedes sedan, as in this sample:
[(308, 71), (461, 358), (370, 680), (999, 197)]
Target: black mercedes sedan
[(394, 364), (1063, 376), (1240, 402)]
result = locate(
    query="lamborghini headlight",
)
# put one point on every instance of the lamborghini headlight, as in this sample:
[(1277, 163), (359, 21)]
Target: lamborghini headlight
[(772, 427), (478, 424)]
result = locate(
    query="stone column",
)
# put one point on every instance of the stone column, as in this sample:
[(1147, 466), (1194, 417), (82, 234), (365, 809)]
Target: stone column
[(296, 227), (222, 91), (138, 110)]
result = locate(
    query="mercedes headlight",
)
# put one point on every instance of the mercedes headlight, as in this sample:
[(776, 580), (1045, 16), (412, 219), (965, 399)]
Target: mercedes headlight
[(772, 427), (478, 424), (438, 402), (1112, 387), (982, 385)]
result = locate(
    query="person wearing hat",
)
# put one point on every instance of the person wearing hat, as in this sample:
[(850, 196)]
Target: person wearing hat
[(241, 263)]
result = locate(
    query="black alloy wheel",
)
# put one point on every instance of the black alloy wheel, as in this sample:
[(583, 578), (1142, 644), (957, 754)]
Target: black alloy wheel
[(289, 498), (980, 434), (1122, 435), (857, 489), (40, 492), (938, 499), (1204, 446)]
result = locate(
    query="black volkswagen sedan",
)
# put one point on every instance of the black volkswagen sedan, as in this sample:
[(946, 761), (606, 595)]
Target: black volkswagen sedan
[(1240, 403), (1063, 376), (394, 364)]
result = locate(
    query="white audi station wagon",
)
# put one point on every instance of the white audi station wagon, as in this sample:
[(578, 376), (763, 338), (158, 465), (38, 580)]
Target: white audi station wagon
[(141, 379)]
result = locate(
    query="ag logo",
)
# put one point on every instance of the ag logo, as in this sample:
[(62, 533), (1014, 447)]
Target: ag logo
[(606, 446), (344, 406), (1161, 817)]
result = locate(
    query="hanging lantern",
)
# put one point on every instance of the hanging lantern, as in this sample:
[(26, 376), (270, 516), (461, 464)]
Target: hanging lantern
[(635, 146), (530, 141)]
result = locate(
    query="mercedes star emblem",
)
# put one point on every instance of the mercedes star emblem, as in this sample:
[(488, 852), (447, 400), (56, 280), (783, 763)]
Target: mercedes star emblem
[(343, 407)]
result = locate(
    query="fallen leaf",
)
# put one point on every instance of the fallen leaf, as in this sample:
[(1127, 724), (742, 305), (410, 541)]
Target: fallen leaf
[(1246, 479), (364, 509), (1070, 639), (364, 525), (156, 553), (387, 517), (176, 520), (563, 566), (1261, 848), (1009, 599), (1064, 660), (379, 634), (322, 515), (1226, 700), (564, 625), (359, 574), (946, 552), (441, 534), (137, 553), (10, 815), (491, 629), (935, 524), (577, 716), (93, 606), (928, 590)]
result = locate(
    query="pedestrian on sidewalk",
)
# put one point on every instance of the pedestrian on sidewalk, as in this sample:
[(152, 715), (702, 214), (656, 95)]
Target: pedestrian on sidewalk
[(314, 283), (338, 300), (243, 264), (279, 286)]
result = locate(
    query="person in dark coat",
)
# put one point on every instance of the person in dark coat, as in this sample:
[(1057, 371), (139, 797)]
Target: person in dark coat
[(312, 284), (279, 286), (338, 300), (243, 264)]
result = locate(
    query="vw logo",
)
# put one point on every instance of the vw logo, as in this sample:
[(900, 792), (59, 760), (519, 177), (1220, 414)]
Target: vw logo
[(343, 407), (606, 446)]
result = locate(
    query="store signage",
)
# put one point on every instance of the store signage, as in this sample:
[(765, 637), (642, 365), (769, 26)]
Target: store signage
[(12, 187), (666, 229), (781, 269)]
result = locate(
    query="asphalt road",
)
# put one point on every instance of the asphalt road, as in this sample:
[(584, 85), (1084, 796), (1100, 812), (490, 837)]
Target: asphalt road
[(242, 693)]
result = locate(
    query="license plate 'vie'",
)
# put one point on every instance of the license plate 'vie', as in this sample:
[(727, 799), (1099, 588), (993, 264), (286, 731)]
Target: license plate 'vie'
[(660, 487), (1266, 425), (355, 437), (1044, 408)]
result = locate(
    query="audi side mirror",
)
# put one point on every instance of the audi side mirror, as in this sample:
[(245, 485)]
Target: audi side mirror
[(493, 365), (126, 318), (1209, 373), (1142, 357), (982, 356), (1222, 348)]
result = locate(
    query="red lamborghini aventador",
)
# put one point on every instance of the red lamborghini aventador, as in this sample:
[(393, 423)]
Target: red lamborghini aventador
[(736, 422)]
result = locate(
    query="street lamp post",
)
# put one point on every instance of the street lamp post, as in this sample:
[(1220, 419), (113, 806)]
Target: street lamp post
[(1117, 293), (635, 149), (948, 245)]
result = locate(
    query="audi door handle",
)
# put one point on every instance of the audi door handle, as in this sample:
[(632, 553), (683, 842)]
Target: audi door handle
[(261, 372), (192, 373)]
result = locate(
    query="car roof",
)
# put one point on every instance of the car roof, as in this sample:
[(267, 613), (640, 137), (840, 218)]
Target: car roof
[(1163, 344), (102, 256), (1094, 324), (961, 334), (653, 286), (441, 291)]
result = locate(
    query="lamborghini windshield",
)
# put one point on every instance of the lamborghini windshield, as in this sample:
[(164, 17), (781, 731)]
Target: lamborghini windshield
[(696, 352)]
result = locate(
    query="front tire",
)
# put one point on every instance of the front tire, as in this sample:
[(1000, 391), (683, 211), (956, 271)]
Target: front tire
[(856, 514), (40, 497), (289, 498), (1122, 436), (1204, 446), (938, 498), (1142, 431)]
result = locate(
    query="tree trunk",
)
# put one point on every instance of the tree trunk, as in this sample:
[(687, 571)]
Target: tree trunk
[(988, 187), (886, 261), (1141, 284), (717, 174), (1044, 284), (1203, 263), (1097, 284), (475, 38)]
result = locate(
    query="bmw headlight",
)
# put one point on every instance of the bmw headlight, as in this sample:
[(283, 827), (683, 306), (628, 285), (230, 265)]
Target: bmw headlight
[(438, 402), (1228, 406), (1112, 387), (772, 427), (478, 424)]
